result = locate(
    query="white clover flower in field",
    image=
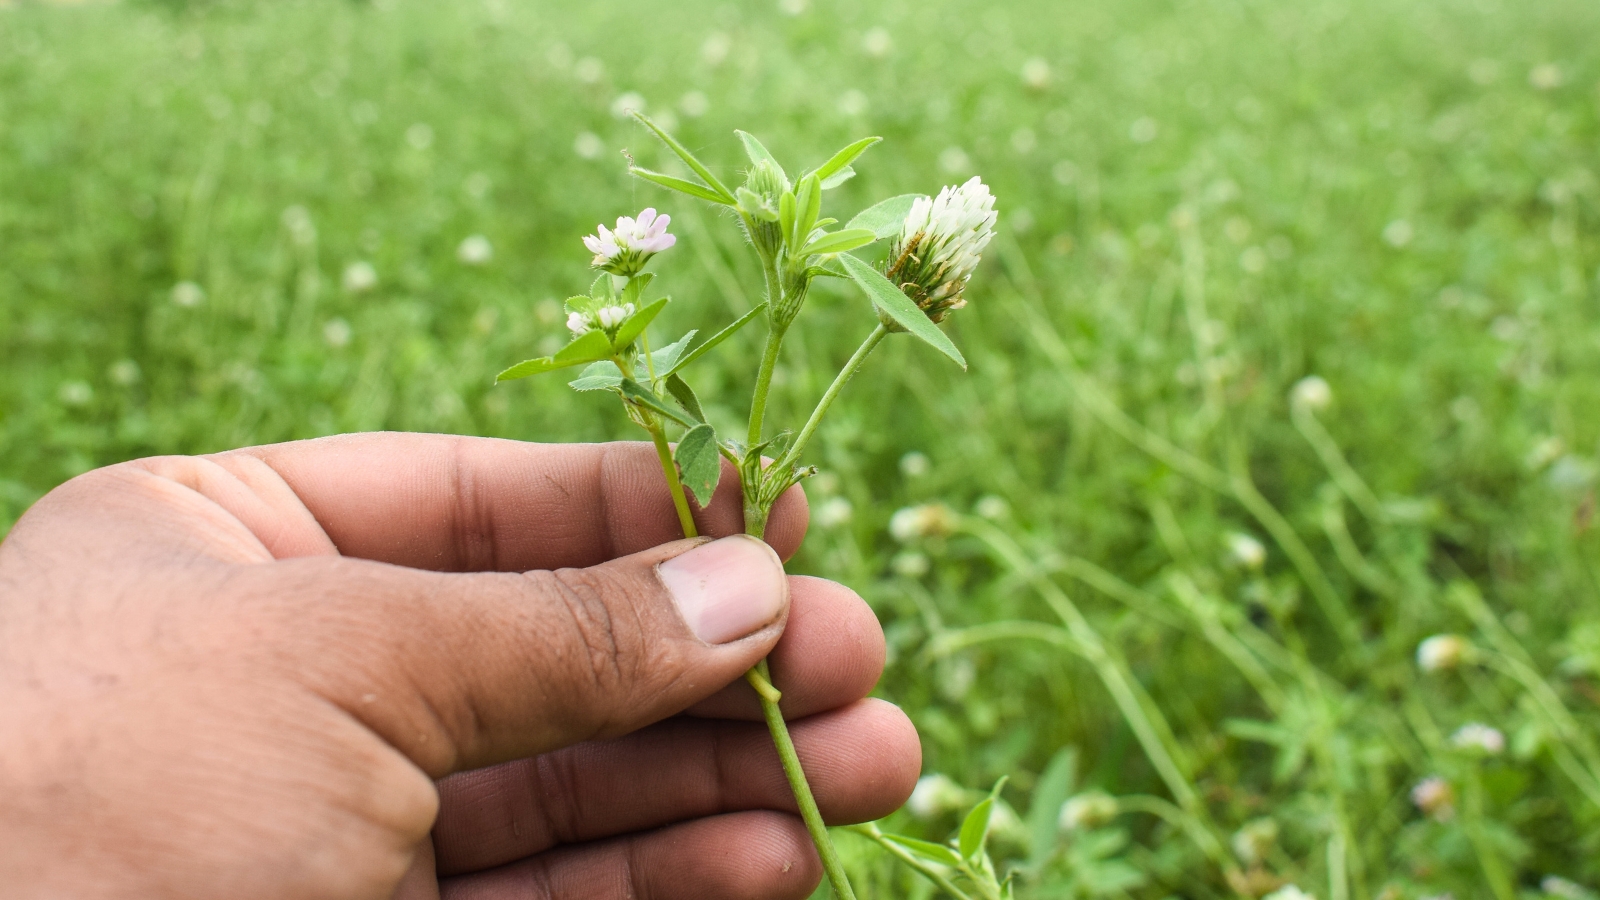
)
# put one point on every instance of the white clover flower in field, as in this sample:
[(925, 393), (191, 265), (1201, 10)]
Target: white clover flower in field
[(1436, 798), (835, 512), (626, 250), (1556, 886), (475, 250), (1090, 809), (1442, 652), (992, 507), (935, 795), (1036, 73), (928, 520), (940, 246), (1246, 550), (337, 333), (1311, 392), (1289, 892), (911, 564), (359, 277), (188, 294), (915, 464), (1481, 738), (1255, 840), (605, 318)]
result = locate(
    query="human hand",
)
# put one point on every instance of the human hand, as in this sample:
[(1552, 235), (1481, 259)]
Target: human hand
[(411, 666)]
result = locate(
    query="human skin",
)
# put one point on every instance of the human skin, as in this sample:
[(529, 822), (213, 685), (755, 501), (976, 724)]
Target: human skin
[(414, 666)]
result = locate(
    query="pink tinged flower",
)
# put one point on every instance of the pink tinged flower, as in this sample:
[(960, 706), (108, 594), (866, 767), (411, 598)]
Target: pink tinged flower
[(625, 250)]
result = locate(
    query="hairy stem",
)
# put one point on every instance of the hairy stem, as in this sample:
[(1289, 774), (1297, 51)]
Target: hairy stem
[(674, 484)]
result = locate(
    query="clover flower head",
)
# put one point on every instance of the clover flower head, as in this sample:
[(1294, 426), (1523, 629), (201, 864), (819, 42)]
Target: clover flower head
[(1479, 737), (1435, 797), (934, 795), (1289, 892), (1246, 550), (1441, 652), (940, 246), (625, 250), (1091, 809), (835, 512), (606, 318), (928, 520), (1312, 392)]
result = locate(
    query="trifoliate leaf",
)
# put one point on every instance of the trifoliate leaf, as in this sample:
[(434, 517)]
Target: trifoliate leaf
[(899, 308), (758, 153), (699, 462), (718, 338), (664, 360), (975, 830), (637, 323), (642, 396), (838, 178), (844, 158), (680, 185), (927, 850), (716, 187), (681, 392), (886, 219), (600, 376), (839, 242)]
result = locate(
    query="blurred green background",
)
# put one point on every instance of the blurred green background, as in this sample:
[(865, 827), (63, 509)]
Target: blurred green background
[(234, 223)]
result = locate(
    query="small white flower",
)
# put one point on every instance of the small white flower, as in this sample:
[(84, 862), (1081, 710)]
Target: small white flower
[(1289, 892), (941, 245), (935, 795), (188, 294), (1036, 73), (910, 564), (1435, 797), (1311, 392), (1442, 652), (606, 318), (359, 277), (626, 250), (627, 104), (1090, 809), (588, 145), (337, 332), (928, 520), (578, 323), (1246, 550), (915, 464), (835, 512), (992, 508), (610, 317), (877, 42), (475, 250), (1479, 737), (75, 393), (1556, 886)]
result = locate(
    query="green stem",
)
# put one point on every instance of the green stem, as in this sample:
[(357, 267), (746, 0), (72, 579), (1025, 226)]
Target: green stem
[(802, 791), (845, 374), (871, 832), (758, 404), (674, 484)]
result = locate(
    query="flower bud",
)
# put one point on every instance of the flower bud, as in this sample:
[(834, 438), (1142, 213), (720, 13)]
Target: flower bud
[(1311, 393), (1091, 809), (765, 185), (604, 318), (940, 246), (1442, 652)]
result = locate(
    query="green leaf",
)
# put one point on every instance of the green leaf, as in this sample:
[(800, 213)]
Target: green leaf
[(681, 185), (688, 158), (897, 306), (681, 392), (844, 158), (637, 323), (758, 152), (600, 376), (887, 218), (838, 178), (699, 462), (640, 395), (839, 242), (934, 853), (808, 208), (665, 360), (787, 214), (718, 338), (1055, 785), (636, 288), (589, 347), (752, 204), (975, 830)]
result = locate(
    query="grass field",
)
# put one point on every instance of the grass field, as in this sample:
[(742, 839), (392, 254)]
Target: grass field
[(1203, 204)]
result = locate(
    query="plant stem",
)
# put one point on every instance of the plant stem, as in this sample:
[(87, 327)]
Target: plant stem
[(674, 484), (845, 374), (758, 404), (871, 832), (802, 791)]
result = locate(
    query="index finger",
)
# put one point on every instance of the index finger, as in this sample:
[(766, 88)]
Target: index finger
[(465, 504)]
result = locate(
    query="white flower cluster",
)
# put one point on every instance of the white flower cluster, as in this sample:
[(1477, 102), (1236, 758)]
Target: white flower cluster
[(1289, 892), (606, 318), (625, 250), (941, 244), (928, 520), (1481, 738), (1435, 797), (1441, 652)]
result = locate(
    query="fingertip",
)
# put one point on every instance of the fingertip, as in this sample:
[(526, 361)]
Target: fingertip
[(786, 527)]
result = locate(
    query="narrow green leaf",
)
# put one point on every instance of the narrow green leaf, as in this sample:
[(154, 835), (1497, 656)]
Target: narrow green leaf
[(975, 830), (897, 306), (844, 158), (886, 218), (838, 178), (787, 214), (588, 347), (719, 337), (1054, 786), (640, 395), (637, 323), (808, 208), (664, 360), (600, 376), (839, 242), (681, 185), (530, 368), (699, 462), (681, 392), (758, 152), (934, 853), (688, 159)]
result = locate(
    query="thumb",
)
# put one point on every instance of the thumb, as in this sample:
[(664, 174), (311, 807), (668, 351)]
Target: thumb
[(463, 671)]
